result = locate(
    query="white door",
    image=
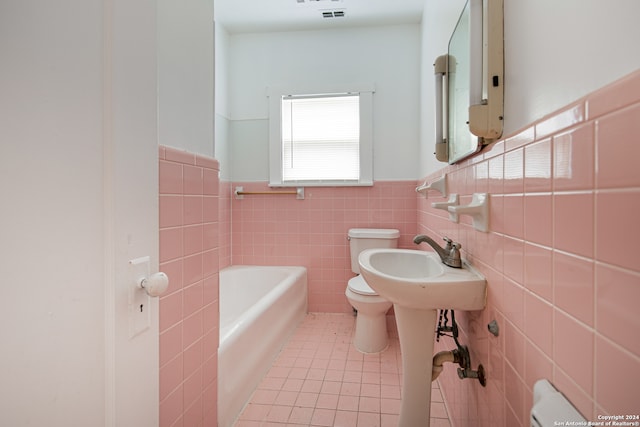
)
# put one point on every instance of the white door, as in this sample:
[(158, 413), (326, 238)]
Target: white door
[(131, 201), (78, 200)]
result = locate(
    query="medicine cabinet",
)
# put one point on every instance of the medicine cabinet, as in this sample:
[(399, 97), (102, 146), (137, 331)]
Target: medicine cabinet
[(470, 83)]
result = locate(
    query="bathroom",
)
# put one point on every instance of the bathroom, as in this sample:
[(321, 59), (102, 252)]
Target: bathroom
[(96, 151)]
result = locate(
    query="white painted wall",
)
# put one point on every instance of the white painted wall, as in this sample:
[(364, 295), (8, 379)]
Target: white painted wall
[(222, 97), (51, 256), (388, 56), (186, 75), (555, 53)]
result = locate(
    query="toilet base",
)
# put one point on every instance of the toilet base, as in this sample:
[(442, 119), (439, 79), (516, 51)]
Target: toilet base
[(371, 322), (371, 333)]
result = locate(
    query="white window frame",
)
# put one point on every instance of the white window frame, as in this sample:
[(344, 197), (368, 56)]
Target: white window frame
[(365, 92)]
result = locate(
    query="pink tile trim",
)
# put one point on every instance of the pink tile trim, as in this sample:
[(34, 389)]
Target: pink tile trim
[(180, 156), (537, 166), (207, 162), (561, 120), (495, 149), (574, 157), (524, 137), (514, 171), (616, 96)]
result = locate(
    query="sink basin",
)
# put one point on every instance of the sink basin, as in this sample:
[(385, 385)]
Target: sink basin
[(418, 279), (418, 284)]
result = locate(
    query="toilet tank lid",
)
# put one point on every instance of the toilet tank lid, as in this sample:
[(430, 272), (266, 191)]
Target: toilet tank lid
[(374, 233)]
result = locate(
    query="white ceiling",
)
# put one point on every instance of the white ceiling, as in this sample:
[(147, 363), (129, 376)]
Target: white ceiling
[(291, 15)]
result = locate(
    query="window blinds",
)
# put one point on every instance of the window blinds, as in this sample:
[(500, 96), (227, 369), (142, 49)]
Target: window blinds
[(321, 137)]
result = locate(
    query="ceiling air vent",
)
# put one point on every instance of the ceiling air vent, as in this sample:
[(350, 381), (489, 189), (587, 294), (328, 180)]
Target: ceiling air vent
[(319, 1), (332, 13)]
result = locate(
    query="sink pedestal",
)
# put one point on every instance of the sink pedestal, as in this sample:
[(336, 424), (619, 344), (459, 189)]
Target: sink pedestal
[(416, 332)]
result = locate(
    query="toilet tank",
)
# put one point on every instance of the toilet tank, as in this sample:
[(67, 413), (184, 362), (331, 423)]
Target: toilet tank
[(370, 238)]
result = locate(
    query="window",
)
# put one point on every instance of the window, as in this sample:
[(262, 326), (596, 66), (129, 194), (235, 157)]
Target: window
[(323, 139)]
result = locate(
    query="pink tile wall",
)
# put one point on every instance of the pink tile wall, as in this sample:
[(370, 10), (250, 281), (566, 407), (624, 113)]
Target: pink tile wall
[(189, 311), (281, 230), (560, 259), (224, 197)]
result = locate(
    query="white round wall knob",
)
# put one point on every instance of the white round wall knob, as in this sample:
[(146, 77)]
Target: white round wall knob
[(156, 284)]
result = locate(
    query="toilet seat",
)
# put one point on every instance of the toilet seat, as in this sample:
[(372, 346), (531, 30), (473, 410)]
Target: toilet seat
[(360, 286)]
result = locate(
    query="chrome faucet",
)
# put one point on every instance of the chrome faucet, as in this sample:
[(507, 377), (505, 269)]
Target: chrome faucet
[(450, 254)]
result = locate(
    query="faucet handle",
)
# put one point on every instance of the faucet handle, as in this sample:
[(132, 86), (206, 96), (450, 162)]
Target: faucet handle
[(455, 250), (449, 243)]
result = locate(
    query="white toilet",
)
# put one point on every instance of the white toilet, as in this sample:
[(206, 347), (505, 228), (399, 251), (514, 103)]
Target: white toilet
[(371, 323)]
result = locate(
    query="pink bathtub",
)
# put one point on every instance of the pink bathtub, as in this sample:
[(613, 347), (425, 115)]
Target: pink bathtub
[(260, 307)]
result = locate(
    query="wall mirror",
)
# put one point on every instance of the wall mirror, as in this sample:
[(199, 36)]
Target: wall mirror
[(469, 83)]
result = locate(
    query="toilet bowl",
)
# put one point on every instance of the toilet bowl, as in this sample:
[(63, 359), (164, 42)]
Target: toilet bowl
[(371, 323)]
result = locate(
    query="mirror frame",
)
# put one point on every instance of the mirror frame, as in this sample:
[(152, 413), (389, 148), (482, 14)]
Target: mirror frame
[(486, 82)]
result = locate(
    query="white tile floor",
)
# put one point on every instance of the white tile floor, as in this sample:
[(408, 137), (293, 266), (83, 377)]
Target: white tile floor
[(320, 379)]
